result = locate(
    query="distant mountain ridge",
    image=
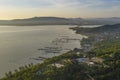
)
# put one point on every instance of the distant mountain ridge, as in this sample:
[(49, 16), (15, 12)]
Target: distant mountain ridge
[(111, 20), (60, 21)]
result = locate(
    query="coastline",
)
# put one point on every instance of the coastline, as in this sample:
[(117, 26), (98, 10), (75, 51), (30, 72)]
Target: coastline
[(31, 44), (65, 65)]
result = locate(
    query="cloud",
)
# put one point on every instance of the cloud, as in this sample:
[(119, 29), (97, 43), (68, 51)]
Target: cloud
[(68, 8), (60, 3), (25, 3)]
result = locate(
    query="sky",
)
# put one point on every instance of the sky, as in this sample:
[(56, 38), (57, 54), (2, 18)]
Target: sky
[(14, 9)]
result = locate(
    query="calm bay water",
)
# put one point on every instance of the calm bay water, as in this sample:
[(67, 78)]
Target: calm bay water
[(18, 44)]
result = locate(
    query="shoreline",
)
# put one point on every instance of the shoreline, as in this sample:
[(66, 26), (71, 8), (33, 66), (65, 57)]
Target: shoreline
[(36, 50)]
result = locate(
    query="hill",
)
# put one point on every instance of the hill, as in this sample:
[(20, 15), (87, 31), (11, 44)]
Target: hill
[(59, 21), (98, 30), (40, 21)]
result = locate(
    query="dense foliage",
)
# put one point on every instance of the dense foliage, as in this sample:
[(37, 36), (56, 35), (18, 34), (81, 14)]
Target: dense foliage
[(109, 51)]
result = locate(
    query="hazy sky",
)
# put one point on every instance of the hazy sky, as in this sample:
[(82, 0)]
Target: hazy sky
[(11, 9)]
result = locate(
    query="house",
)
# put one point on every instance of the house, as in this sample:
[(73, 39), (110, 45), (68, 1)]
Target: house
[(85, 60), (82, 60)]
